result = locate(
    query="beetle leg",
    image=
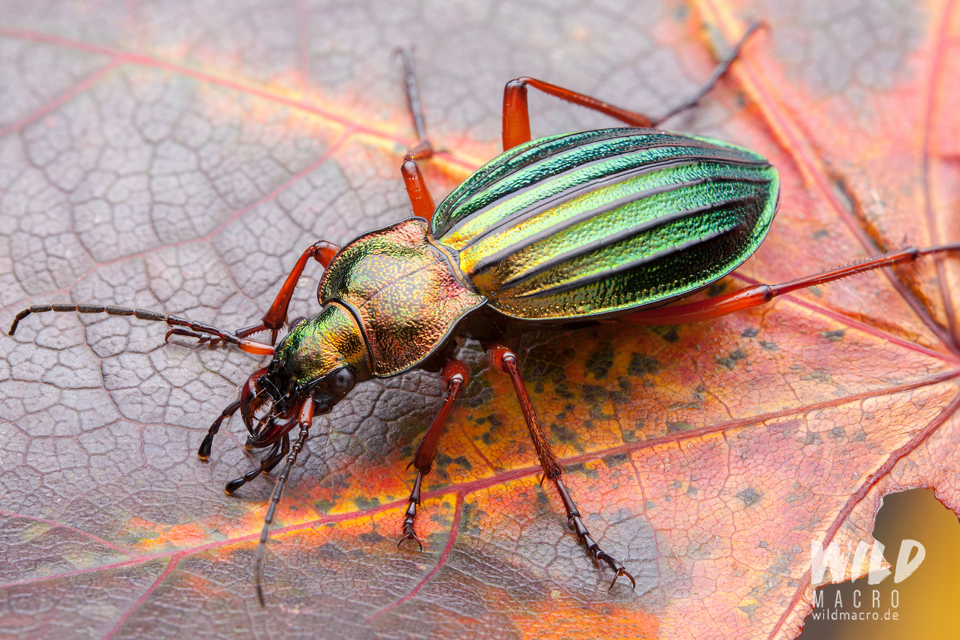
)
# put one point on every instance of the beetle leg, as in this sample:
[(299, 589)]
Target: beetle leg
[(505, 361), (323, 252), (456, 376), (204, 451), (420, 198), (758, 294), (306, 418), (516, 114), (423, 149), (269, 461)]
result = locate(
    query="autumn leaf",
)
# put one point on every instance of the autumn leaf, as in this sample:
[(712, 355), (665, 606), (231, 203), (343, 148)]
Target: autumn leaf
[(179, 158)]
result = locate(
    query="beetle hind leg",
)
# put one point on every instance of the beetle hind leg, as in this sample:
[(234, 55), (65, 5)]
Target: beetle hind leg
[(505, 361), (456, 376)]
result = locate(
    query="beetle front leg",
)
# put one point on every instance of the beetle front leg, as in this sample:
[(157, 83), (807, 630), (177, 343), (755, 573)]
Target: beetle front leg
[(505, 361), (323, 252), (456, 376), (516, 113)]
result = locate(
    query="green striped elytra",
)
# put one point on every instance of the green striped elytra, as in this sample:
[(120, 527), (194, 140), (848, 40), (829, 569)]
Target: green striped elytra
[(598, 225)]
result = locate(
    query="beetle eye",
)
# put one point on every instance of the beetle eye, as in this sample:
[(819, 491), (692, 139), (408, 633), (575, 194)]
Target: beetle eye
[(342, 381), (295, 322)]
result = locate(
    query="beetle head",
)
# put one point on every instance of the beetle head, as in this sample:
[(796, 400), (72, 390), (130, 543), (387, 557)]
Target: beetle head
[(323, 357)]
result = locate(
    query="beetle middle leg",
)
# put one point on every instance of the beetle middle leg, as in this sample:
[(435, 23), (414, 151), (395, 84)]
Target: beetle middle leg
[(516, 114), (420, 198), (505, 361), (455, 375)]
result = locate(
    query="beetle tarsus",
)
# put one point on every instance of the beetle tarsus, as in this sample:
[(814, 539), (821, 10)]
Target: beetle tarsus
[(583, 537), (410, 516)]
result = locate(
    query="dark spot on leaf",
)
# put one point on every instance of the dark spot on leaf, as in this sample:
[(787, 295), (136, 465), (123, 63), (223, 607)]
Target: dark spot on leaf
[(371, 537), (600, 362), (563, 433), (615, 460), (819, 234), (366, 503), (731, 360), (676, 484), (593, 394), (838, 433), (563, 391), (818, 375), (749, 496), (692, 490), (769, 346), (671, 336), (749, 333), (641, 364), (833, 336), (443, 461), (629, 435), (619, 397), (716, 289), (332, 551), (812, 437), (676, 427), (543, 502), (585, 470), (843, 191)]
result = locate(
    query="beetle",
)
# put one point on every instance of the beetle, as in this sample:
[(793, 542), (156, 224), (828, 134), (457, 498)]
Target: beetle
[(568, 229)]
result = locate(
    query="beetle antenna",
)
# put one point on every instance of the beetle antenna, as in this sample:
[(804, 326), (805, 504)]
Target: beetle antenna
[(205, 333), (306, 418)]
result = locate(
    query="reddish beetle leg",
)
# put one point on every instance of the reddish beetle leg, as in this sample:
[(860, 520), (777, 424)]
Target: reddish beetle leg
[(505, 361), (456, 376)]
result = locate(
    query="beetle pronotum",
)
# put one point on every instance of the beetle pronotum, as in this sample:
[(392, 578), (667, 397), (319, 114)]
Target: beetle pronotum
[(579, 227)]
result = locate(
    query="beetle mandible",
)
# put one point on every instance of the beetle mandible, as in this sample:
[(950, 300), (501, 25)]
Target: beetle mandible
[(572, 228)]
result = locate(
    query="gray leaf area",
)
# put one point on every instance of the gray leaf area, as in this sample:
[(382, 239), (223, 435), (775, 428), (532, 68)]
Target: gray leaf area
[(179, 157)]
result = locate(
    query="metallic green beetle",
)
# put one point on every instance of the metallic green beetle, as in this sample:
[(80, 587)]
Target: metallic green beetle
[(566, 229)]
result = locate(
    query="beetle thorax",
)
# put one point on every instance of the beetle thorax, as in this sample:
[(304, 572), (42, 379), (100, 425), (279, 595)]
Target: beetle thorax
[(403, 293)]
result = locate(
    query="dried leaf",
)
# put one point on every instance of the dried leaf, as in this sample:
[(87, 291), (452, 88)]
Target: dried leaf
[(180, 158)]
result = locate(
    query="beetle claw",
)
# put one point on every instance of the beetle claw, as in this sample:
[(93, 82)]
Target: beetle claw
[(410, 535)]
